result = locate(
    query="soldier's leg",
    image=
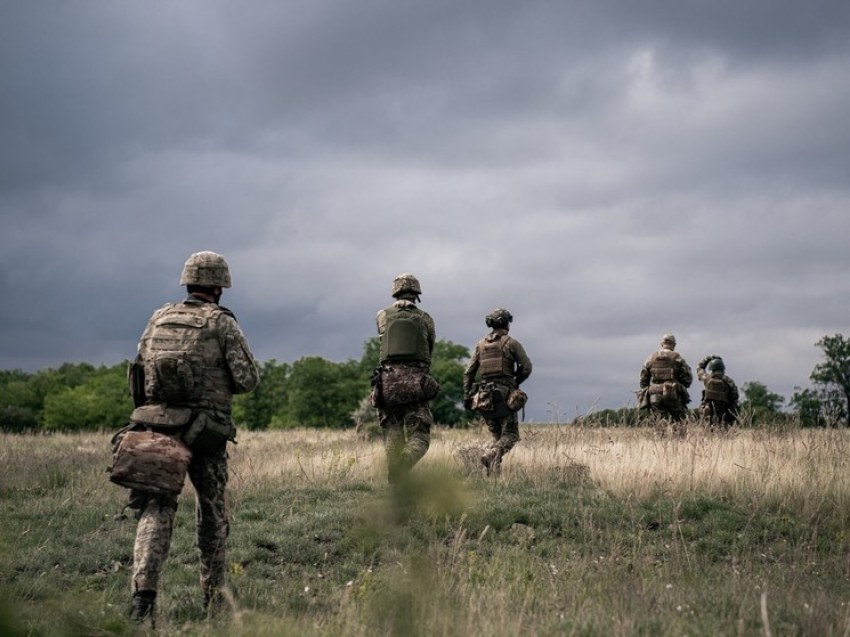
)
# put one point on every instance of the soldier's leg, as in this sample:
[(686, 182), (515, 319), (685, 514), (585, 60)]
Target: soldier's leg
[(212, 525), (150, 550), (153, 539), (417, 432), (508, 427), (393, 428)]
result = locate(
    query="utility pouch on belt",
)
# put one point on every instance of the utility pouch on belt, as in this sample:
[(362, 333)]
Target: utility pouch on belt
[(151, 462), (489, 402), (207, 435), (162, 417), (517, 399), (407, 385)]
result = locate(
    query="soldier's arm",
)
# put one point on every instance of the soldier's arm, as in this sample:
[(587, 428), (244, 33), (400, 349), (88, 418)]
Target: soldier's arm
[(523, 363), (238, 356), (432, 332), (701, 375), (645, 374), (470, 372), (734, 397), (686, 377)]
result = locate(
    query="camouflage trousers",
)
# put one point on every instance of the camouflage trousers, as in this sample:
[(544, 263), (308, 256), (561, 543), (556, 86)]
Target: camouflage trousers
[(407, 436), (156, 522), (505, 433), (718, 412)]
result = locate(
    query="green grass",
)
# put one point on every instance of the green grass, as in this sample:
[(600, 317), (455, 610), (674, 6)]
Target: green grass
[(320, 545)]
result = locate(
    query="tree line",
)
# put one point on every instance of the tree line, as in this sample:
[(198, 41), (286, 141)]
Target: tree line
[(310, 392), (315, 392)]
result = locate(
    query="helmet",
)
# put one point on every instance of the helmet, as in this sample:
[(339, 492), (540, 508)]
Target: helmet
[(668, 339), (207, 269), (406, 283), (716, 365), (498, 318)]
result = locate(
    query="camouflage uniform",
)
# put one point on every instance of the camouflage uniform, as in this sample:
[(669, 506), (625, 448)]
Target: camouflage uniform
[(407, 427), (664, 381), (720, 393), (226, 367), (513, 368)]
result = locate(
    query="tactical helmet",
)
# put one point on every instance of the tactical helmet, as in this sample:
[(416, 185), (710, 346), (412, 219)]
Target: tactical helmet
[(668, 339), (716, 365), (405, 283), (498, 318), (207, 269)]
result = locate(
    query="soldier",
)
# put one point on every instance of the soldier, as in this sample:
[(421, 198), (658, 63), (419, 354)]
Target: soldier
[(664, 381), (503, 366), (192, 359), (720, 395), (403, 387)]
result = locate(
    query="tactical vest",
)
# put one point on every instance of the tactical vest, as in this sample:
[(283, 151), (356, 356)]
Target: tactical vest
[(492, 359), (715, 389), (184, 364), (661, 368), (404, 336)]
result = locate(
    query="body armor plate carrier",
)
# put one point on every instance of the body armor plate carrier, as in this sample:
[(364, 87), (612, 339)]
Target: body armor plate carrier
[(662, 366), (715, 389), (184, 364), (404, 336), (493, 360)]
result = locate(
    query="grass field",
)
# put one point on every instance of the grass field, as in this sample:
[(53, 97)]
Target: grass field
[(589, 531)]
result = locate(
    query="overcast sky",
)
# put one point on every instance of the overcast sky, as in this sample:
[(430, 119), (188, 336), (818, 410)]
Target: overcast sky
[(608, 170)]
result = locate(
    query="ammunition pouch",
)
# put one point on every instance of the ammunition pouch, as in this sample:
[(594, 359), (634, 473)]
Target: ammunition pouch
[(489, 401), (517, 399), (207, 435), (149, 461)]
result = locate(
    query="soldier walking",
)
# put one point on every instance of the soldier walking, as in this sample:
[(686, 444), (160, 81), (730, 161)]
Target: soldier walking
[(664, 381), (192, 359), (403, 387), (503, 366), (720, 393)]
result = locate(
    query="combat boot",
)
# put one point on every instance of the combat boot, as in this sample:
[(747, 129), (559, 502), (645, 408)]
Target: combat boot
[(142, 607), (487, 459)]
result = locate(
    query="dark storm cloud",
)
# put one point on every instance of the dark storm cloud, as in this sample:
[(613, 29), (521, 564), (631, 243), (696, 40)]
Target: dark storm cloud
[(607, 170)]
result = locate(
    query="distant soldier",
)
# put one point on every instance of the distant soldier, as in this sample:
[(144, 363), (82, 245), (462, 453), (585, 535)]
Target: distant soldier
[(664, 381), (192, 359), (720, 395), (503, 366), (402, 386)]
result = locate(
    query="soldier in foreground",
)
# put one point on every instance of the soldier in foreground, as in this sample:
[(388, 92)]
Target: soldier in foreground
[(720, 393), (664, 381), (402, 386), (192, 359), (503, 366)]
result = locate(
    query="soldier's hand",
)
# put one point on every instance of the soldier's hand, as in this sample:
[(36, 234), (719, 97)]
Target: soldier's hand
[(467, 403)]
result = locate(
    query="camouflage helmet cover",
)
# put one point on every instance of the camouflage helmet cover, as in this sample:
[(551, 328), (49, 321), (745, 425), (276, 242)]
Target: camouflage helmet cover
[(499, 317), (207, 269), (668, 339), (716, 365), (406, 283)]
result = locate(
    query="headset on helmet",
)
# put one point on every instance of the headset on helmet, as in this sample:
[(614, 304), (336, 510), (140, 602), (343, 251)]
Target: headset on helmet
[(498, 318)]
